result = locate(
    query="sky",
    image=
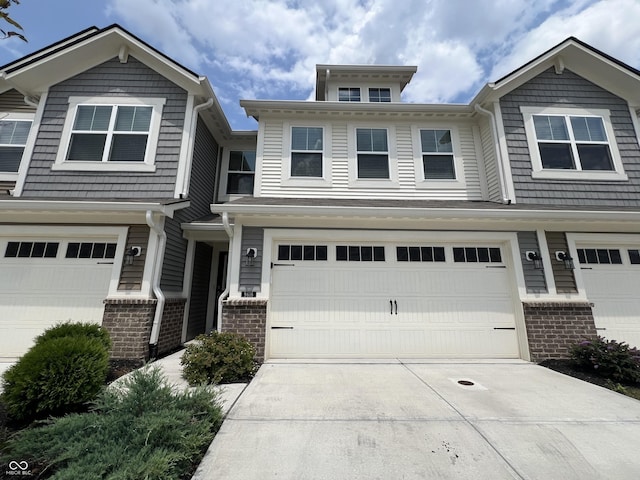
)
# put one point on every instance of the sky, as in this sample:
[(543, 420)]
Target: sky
[(268, 49)]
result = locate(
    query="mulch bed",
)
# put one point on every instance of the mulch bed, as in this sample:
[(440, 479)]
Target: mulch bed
[(565, 366)]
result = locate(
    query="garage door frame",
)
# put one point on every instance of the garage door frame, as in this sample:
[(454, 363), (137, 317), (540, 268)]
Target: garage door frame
[(507, 240)]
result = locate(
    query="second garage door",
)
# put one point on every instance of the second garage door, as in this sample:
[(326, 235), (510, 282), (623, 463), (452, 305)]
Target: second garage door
[(390, 300)]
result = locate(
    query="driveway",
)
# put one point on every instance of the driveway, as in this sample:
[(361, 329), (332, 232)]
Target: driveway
[(413, 420)]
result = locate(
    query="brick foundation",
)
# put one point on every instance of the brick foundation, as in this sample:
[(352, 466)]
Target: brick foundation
[(553, 327), (171, 328), (248, 317), (129, 324)]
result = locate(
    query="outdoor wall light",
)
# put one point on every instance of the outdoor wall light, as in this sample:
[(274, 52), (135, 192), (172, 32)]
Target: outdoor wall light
[(535, 258), (566, 259), (251, 254), (130, 254)]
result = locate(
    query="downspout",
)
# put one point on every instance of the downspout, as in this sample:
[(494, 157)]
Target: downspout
[(225, 294), (184, 191), (494, 132), (155, 283), (31, 101)]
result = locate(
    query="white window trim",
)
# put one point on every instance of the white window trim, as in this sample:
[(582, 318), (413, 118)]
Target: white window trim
[(617, 174), (289, 180), (344, 87), (224, 172), (458, 164), (368, 88), (364, 91), (354, 181), (19, 116), (152, 142)]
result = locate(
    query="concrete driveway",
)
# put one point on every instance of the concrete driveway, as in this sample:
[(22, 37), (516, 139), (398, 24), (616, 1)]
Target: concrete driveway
[(404, 420)]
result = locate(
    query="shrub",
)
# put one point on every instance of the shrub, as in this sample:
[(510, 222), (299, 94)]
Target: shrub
[(68, 329), (608, 358), (57, 376), (218, 358), (143, 429)]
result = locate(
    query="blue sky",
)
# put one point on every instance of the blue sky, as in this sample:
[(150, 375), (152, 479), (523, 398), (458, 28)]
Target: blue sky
[(268, 49)]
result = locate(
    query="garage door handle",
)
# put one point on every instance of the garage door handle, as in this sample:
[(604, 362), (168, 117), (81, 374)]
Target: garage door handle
[(396, 304), (391, 306), (281, 328), (504, 328)]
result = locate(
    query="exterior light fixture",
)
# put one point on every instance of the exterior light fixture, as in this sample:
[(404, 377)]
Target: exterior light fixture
[(250, 255), (131, 253), (535, 258), (566, 259)]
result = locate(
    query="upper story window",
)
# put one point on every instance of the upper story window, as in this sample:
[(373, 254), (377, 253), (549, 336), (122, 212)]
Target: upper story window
[(349, 94), (379, 94), (372, 150), (13, 138), (110, 133), (241, 172), (437, 155), (572, 143), (306, 151)]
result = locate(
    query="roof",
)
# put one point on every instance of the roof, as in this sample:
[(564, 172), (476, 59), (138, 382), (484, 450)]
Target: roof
[(371, 73)]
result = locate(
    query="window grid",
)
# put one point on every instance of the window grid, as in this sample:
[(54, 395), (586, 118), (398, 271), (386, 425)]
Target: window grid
[(476, 255), (349, 94), (98, 250), (420, 254), (302, 252), (241, 172), (380, 95), (306, 151), (358, 253), (31, 250), (599, 256)]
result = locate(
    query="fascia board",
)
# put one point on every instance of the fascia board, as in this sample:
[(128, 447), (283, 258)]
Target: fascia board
[(83, 206)]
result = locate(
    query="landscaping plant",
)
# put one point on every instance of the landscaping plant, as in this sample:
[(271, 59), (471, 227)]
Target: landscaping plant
[(141, 428), (65, 369), (218, 358), (609, 359)]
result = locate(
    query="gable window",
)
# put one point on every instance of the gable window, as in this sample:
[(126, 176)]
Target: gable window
[(241, 172), (437, 155), (110, 133), (349, 94), (13, 138), (572, 143), (372, 150), (306, 151), (379, 94)]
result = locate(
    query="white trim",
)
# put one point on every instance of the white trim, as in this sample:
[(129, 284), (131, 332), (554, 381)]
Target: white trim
[(480, 161), (185, 155), (546, 263), (458, 164), (146, 285), (119, 234), (152, 136), (234, 260), (259, 147), (28, 148), (392, 157), (538, 171), (187, 281), (288, 180), (633, 112), (504, 156), (224, 171)]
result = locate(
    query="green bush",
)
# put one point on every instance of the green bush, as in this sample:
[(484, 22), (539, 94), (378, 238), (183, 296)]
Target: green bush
[(57, 376), (68, 329), (608, 358), (142, 429), (218, 358)]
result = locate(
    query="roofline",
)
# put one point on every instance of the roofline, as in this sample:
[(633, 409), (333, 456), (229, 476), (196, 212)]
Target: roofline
[(367, 67), (422, 213), (167, 209)]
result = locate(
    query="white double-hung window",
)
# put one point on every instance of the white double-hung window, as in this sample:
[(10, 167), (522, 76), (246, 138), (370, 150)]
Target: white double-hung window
[(110, 134), (572, 144), (372, 150), (306, 151), (14, 131)]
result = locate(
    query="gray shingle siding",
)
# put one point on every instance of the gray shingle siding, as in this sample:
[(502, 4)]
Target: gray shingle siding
[(111, 79), (13, 101), (202, 180), (533, 278), (569, 90), (251, 275)]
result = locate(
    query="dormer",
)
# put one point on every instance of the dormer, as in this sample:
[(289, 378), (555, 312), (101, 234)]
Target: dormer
[(362, 83)]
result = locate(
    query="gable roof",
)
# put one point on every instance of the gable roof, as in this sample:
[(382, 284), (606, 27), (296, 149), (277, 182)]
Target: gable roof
[(579, 57)]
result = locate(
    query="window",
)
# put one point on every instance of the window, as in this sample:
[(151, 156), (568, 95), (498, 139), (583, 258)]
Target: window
[(437, 155), (13, 138), (572, 143), (306, 151), (302, 252), (379, 94), (477, 255), (349, 94), (110, 133), (31, 250), (91, 250), (372, 152), (599, 256), (420, 254), (634, 256), (355, 253), (240, 176)]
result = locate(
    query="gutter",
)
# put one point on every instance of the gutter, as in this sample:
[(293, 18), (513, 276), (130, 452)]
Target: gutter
[(158, 228), (76, 206), (223, 296), (184, 191), (496, 141)]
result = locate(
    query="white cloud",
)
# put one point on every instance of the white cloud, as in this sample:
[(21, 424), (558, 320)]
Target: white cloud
[(269, 48)]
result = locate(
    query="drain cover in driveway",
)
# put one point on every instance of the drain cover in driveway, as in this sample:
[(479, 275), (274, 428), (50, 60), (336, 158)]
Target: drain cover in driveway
[(467, 384)]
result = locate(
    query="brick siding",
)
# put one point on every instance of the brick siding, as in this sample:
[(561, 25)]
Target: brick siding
[(171, 328), (129, 324), (553, 327), (248, 317)]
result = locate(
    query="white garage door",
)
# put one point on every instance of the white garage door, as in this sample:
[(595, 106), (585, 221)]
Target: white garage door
[(390, 300), (612, 281), (44, 282)]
